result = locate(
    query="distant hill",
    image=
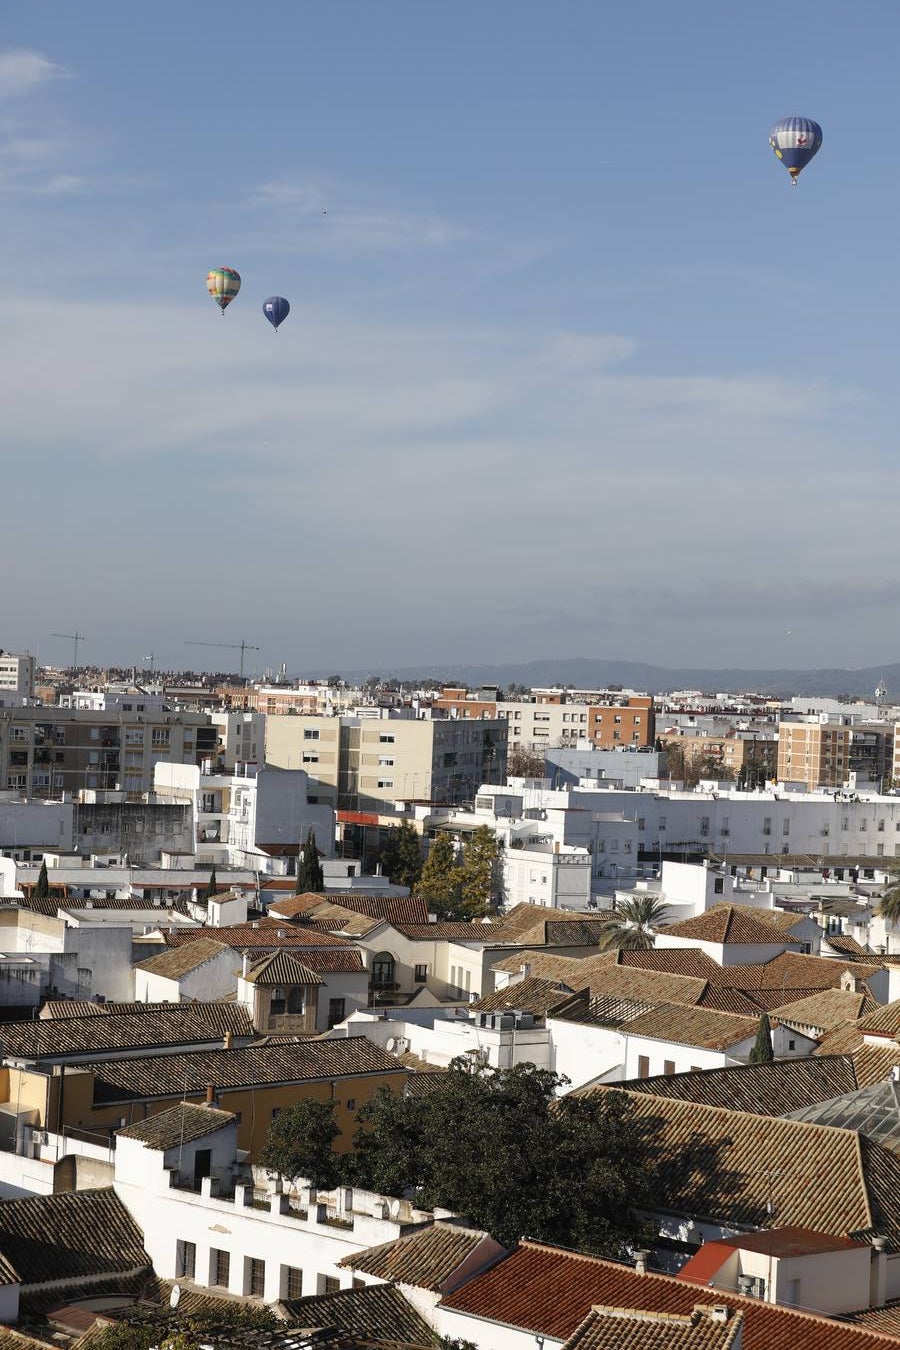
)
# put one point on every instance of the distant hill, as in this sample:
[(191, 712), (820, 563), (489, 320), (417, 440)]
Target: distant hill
[(588, 673)]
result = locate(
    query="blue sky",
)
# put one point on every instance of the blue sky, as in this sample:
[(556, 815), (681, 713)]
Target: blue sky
[(571, 368)]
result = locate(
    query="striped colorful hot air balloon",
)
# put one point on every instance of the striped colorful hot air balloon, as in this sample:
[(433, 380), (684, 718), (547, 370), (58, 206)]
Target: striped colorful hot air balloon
[(795, 140), (223, 284)]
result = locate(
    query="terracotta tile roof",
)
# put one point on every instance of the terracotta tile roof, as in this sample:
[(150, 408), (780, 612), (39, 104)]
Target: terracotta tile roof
[(729, 924), (394, 909), (188, 1074), (883, 1021), (874, 1063), (175, 962), (848, 946), (885, 1319), (182, 1125), (731, 1164), (574, 971), (773, 1089), (265, 933), (346, 961), (678, 960), (446, 930), (16, 1340), (378, 1310), (426, 1259), (627, 1329), (549, 1292), (532, 995), (719, 996), (792, 971), (175, 1024), (281, 968), (826, 1009), (70, 1236), (683, 1025)]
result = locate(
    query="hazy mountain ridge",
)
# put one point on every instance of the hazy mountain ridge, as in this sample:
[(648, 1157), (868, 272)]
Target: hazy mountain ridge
[(590, 673)]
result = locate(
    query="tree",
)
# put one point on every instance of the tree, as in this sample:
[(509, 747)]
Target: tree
[(441, 881), (42, 885), (524, 763), (212, 887), (888, 905), (310, 876), (400, 855), (634, 924), (498, 1146), (300, 1143), (480, 882), (147, 1328), (762, 1052), (676, 766)]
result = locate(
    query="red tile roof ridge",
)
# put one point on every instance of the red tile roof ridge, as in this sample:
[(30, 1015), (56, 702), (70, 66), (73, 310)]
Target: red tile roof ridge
[(664, 1283)]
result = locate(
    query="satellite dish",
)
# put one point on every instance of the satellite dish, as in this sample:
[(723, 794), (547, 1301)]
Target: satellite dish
[(390, 1045), (395, 1209), (175, 1296)]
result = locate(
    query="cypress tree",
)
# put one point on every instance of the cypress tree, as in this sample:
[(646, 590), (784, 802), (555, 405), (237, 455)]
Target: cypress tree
[(762, 1052), (42, 885), (212, 887), (310, 876)]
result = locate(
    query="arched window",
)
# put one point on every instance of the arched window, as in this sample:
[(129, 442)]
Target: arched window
[(383, 968)]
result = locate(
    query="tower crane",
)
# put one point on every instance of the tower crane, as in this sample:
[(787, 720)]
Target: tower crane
[(241, 647), (75, 638)]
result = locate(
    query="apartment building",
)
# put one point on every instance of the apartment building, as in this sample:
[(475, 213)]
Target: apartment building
[(16, 676), (368, 764), (814, 752), (734, 751), (45, 752), (556, 717)]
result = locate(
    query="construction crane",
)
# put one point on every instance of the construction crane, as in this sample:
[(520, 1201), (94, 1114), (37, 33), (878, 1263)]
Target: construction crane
[(241, 647), (75, 638)]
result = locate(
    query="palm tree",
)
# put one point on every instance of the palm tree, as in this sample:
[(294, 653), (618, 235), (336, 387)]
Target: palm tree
[(889, 905), (634, 924)]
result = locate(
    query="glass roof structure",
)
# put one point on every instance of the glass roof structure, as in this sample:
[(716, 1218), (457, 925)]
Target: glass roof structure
[(873, 1111)]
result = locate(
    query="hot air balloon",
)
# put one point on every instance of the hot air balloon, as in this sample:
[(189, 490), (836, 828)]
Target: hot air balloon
[(223, 284), (276, 310), (795, 140)]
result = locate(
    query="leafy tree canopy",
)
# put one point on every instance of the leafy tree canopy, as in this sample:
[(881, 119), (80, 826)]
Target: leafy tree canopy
[(300, 1143), (634, 924), (441, 881), (524, 763), (499, 1147), (401, 855)]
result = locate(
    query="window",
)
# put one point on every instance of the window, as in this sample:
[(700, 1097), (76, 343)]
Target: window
[(220, 1267), (336, 1011), (332, 1284), (310, 733), (668, 1067), (351, 1103), (385, 762), (309, 758), (792, 1045), (785, 827), (291, 1282), (719, 886), (881, 827), (387, 738), (185, 1259), (420, 974), (385, 782), (643, 1066), (256, 1277)]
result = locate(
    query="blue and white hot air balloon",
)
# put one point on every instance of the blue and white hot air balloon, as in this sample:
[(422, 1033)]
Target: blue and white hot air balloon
[(795, 140), (276, 310)]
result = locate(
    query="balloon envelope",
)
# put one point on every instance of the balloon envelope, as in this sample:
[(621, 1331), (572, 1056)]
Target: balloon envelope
[(223, 284), (795, 140), (276, 310)]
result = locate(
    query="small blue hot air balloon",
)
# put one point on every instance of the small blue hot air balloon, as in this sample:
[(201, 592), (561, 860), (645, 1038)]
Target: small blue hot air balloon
[(795, 140), (276, 310)]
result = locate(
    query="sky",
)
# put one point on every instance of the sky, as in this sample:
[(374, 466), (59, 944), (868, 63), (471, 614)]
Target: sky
[(571, 369)]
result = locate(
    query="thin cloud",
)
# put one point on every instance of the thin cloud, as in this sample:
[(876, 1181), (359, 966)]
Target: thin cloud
[(310, 217), (22, 71)]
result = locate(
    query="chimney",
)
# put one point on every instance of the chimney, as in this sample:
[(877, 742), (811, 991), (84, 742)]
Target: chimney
[(245, 961), (280, 932), (228, 1040), (210, 1094), (715, 1312), (878, 1273), (640, 1260)]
